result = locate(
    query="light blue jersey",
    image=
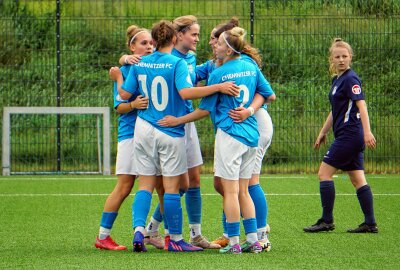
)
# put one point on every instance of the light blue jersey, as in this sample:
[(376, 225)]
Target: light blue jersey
[(190, 60), (126, 121), (160, 77), (204, 70), (247, 58), (250, 80)]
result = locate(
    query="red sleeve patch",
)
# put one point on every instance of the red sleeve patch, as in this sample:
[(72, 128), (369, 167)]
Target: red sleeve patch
[(356, 89)]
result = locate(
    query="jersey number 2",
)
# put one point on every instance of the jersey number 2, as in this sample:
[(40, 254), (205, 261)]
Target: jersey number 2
[(246, 95)]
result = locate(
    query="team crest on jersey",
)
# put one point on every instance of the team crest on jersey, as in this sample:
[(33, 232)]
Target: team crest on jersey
[(356, 89), (334, 90)]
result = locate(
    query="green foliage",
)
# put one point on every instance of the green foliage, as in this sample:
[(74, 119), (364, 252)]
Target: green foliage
[(376, 7), (293, 38)]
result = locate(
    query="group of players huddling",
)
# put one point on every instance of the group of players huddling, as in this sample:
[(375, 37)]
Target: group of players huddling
[(158, 141)]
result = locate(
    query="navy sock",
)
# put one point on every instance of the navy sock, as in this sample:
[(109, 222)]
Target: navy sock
[(366, 200), (327, 191)]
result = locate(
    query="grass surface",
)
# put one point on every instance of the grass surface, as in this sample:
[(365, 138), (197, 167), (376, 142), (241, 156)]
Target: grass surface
[(51, 222)]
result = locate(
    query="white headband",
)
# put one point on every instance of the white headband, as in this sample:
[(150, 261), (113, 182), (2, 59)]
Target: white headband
[(133, 38), (223, 35)]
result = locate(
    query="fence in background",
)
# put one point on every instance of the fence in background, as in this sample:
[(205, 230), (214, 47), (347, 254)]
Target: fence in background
[(58, 53)]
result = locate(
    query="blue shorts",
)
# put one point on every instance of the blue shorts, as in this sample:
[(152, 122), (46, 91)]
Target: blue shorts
[(346, 153)]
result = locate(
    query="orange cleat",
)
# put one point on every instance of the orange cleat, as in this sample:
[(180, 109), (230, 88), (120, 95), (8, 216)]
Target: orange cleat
[(108, 244)]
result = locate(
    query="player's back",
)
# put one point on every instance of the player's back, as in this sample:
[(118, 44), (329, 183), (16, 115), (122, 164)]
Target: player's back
[(246, 76), (160, 77)]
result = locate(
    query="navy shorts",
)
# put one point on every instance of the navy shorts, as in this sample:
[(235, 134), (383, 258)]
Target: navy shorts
[(346, 153)]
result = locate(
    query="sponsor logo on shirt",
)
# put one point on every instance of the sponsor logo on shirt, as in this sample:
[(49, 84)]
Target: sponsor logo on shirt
[(356, 89)]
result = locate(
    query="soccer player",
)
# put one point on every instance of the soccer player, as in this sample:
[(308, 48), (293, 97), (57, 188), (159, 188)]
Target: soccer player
[(138, 42), (188, 31), (350, 123), (235, 143)]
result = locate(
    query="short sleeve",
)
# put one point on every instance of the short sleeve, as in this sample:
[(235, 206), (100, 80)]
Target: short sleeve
[(131, 84), (353, 89), (263, 86), (182, 76)]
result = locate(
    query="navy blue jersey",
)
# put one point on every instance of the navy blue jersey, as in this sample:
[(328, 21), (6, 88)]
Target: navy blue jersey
[(345, 91)]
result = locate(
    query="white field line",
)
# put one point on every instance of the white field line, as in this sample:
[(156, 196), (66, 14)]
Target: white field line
[(208, 177), (204, 194)]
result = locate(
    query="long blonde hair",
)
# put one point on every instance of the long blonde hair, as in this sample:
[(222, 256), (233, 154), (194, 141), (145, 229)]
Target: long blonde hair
[(337, 43), (236, 38)]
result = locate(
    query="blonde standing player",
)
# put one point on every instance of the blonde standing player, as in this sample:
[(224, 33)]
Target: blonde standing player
[(139, 42), (350, 123)]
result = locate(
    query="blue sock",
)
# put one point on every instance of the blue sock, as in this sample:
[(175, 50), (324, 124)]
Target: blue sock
[(165, 222), (366, 200), (233, 228), (327, 192), (157, 214), (107, 219), (260, 204), (141, 208), (224, 222), (173, 212), (250, 225), (193, 205)]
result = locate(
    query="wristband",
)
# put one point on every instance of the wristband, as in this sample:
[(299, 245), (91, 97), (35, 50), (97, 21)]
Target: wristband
[(126, 60), (251, 109)]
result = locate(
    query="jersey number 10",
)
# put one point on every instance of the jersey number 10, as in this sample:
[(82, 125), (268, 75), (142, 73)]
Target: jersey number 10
[(160, 103)]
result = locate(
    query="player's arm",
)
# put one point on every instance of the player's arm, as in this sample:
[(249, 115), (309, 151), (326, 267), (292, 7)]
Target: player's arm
[(172, 121), (324, 131), (240, 114), (228, 88), (129, 59), (140, 103), (369, 138)]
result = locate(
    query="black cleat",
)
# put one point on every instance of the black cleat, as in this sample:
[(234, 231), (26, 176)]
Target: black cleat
[(320, 226), (364, 228)]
